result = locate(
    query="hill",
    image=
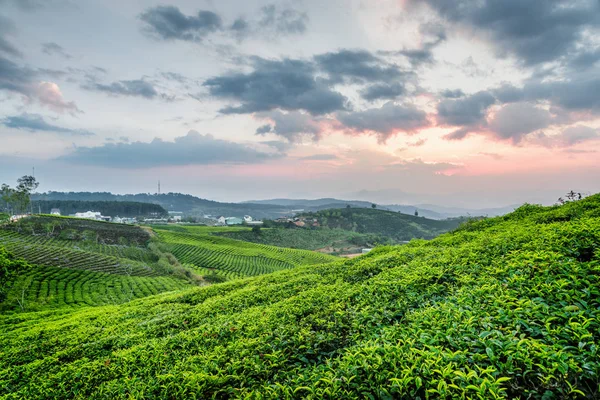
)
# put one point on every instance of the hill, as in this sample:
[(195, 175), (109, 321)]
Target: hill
[(80, 262), (196, 247), (506, 307), (331, 241), (111, 208), (188, 204), (388, 224)]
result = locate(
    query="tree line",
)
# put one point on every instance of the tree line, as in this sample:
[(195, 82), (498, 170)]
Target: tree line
[(17, 200)]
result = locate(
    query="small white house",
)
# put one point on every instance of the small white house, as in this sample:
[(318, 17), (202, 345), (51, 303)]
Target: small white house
[(247, 218), (365, 251), (55, 211), (89, 215), (221, 220)]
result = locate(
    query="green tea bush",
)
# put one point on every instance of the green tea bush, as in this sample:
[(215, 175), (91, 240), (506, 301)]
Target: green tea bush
[(508, 310)]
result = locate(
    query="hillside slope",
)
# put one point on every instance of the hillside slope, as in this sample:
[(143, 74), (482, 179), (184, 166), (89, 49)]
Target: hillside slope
[(389, 224), (195, 247), (502, 308), (78, 262)]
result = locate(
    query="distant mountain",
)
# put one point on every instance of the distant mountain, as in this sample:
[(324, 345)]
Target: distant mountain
[(458, 211), (431, 211), (188, 204), (312, 203)]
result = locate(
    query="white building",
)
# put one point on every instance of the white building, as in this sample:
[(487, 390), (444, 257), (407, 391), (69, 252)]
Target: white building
[(221, 220), (55, 211), (89, 215), (247, 218)]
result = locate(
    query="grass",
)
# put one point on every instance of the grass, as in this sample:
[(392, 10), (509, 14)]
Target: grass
[(507, 307)]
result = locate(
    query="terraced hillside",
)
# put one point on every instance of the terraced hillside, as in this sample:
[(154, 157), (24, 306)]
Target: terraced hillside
[(507, 307), (73, 267), (232, 258)]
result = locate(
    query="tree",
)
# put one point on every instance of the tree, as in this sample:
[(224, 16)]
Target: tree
[(416, 213), (347, 205), (569, 197), (256, 229), (25, 186), (373, 205)]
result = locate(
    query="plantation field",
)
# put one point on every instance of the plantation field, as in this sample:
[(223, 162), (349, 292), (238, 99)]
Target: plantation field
[(507, 307), (53, 287), (334, 241), (230, 257), (80, 270)]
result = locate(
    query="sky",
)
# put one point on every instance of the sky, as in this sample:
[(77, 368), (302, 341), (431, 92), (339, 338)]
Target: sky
[(472, 103)]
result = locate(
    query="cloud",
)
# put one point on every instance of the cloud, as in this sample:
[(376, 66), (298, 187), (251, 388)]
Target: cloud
[(383, 91), (535, 31), (285, 21), (7, 27), (516, 120), (52, 48), (468, 110), (261, 130), (286, 84), (320, 157), (280, 145), (291, 125), (36, 123), (168, 23), (495, 156), (385, 121), (452, 94), (357, 66), (578, 134), (192, 149), (136, 88), (418, 143), (49, 94), (22, 80)]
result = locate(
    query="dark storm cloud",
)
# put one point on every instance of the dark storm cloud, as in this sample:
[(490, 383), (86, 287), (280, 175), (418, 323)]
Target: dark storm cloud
[(168, 23), (286, 20), (192, 149), (357, 66), (535, 31), (383, 91), (286, 84), (138, 88), (36, 123), (469, 110), (385, 121), (52, 48)]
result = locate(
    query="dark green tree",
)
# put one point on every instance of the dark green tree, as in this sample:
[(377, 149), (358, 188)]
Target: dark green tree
[(373, 205)]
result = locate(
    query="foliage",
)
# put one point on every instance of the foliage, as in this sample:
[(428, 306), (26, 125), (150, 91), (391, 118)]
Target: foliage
[(18, 199), (507, 307), (78, 229), (395, 226), (310, 239), (125, 209), (10, 269), (241, 258)]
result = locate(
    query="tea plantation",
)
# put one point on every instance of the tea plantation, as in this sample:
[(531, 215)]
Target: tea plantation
[(506, 307), (196, 247)]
